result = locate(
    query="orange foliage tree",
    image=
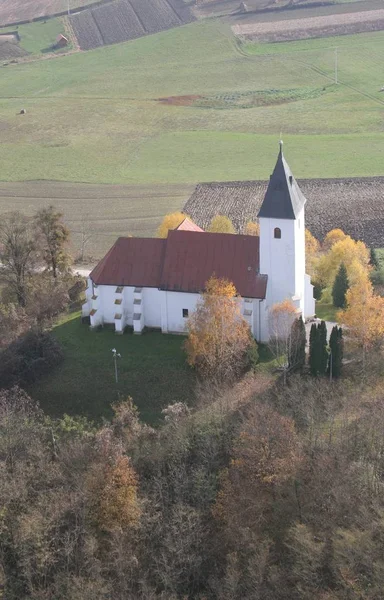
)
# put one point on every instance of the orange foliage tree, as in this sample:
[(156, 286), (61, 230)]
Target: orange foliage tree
[(219, 339), (170, 221), (252, 228), (364, 316), (266, 456), (221, 224)]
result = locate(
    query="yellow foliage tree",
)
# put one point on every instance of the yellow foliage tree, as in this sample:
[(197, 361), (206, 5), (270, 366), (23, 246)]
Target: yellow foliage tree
[(219, 338), (312, 249), (354, 255), (221, 224), (333, 236), (114, 492), (252, 228), (170, 221), (364, 316)]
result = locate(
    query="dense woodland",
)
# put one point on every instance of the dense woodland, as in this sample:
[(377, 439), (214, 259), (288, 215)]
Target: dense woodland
[(268, 486)]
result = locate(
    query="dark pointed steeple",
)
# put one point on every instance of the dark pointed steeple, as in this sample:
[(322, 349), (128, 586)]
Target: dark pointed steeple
[(283, 198)]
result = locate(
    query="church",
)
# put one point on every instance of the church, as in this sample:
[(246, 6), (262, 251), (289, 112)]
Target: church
[(156, 283)]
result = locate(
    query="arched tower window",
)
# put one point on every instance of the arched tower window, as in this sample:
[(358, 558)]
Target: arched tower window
[(277, 233)]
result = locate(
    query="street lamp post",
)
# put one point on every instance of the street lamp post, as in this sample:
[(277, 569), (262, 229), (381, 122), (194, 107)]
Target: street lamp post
[(115, 356)]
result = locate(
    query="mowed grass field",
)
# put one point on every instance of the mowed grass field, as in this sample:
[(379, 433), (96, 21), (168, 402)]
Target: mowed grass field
[(95, 117), (152, 370)]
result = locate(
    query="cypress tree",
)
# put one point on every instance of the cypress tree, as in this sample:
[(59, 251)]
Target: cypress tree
[(374, 261), (340, 287), (298, 342), (336, 354), (322, 348), (313, 350)]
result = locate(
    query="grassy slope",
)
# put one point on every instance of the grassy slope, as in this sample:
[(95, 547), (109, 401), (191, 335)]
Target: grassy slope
[(38, 38), (108, 126), (152, 370)]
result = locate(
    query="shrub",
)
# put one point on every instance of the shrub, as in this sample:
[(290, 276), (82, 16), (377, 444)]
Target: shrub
[(29, 358)]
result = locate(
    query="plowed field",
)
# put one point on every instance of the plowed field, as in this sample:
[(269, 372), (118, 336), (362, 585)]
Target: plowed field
[(124, 20), (354, 205), (296, 29)]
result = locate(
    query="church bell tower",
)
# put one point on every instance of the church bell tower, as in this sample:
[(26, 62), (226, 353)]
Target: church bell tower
[(282, 238)]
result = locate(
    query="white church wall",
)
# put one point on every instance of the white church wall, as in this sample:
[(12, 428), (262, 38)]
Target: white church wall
[(175, 303), (106, 295), (299, 232), (152, 307), (309, 303)]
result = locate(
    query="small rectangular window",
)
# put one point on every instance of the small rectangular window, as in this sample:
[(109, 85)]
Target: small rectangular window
[(185, 313)]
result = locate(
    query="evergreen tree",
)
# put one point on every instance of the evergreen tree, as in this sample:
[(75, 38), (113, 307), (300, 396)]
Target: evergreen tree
[(296, 356), (374, 261), (322, 348), (340, 287), (314, 350), (336, 351)]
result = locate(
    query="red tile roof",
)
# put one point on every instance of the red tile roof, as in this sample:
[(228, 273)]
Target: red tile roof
[(191, 258), (131, 261), (184, 262), (188, 225)]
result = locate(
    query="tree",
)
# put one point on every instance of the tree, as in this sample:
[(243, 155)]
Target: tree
[(336, 352), (312, 249), (296, 357), (322, 347), (355, 257), (54, 239), (170, 221), (373, 259), (333, 236), (364, 316), (280, 321), (252, 228), (340, 287), (17, 254), (219, 338), (314, 355), (221, 224)]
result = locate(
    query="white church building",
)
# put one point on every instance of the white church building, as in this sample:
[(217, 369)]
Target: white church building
[(156, 283)]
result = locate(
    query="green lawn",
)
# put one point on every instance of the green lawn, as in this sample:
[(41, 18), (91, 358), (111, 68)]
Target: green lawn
[(95, 116), (152, 370), (326, 312), (38, 37)]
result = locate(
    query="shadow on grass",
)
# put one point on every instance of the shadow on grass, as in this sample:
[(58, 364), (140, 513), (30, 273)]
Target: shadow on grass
[(152, 369)]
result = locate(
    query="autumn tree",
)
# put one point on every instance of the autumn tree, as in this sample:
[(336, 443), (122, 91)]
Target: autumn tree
[(312, 249), (340, 287), (18, 254), (252, 228), (364, 316), (280, 320), (54, 236), (219, 339), (353, 254), (221, 224), (333, 236), (169, 222)]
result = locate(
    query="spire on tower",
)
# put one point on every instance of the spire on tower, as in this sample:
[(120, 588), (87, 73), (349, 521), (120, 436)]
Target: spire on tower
[(283, 198)]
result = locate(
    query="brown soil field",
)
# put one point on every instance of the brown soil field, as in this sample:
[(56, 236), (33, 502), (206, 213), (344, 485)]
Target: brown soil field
[(272, 9), (10, 50), (319, 26), (106, 211), (16, 11), (354, 205), (179, 100)]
